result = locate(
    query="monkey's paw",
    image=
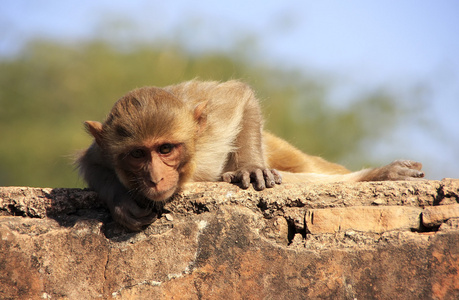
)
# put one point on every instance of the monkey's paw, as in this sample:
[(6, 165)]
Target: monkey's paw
[(132, 216), (261, 178), (400, 170)]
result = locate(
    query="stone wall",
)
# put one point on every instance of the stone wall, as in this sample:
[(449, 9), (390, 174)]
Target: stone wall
[(382, 240)]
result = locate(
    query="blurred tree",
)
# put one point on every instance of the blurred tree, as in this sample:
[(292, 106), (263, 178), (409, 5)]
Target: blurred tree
[(50, 88)]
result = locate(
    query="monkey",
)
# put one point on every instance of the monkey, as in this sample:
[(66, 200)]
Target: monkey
[(154, 140)]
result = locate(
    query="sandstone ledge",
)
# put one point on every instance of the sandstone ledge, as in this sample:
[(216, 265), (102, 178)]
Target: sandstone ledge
[(381, 240)]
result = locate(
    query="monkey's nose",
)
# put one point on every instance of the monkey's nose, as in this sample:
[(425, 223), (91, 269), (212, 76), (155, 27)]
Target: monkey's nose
[(153, 182)]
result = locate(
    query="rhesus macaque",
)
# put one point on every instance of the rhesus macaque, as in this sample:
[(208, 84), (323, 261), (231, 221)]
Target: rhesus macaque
[(156, 139)]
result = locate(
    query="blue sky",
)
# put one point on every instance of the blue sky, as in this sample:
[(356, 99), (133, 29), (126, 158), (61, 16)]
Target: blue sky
[(362, 44)]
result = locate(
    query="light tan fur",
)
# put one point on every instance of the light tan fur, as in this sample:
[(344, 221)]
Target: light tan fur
[(282, 156)]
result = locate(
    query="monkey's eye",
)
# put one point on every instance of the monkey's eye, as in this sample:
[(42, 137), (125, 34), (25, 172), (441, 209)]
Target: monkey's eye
[(166, 148), (137, 153)]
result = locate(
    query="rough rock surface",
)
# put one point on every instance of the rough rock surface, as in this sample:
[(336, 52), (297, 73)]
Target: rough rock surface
[(383, 240)]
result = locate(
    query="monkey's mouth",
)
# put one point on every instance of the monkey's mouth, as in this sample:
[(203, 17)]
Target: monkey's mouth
[(152, 192)]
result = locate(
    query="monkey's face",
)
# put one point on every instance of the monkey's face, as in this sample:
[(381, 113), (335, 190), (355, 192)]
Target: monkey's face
[(148, 138), (153, 169)]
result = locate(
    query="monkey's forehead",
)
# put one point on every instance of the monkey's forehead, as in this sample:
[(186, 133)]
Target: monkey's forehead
[(144, 108), (148, 115), (147, 132), (148, 97)]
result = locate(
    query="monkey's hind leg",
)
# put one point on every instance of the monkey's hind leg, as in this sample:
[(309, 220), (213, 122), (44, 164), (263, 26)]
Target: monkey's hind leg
[(397, 170)]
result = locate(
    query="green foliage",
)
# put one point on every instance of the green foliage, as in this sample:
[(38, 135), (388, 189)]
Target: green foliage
[(49, 89)]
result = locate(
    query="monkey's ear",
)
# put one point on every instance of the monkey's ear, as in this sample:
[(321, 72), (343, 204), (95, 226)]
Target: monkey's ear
[(95, 129), (200, 115)]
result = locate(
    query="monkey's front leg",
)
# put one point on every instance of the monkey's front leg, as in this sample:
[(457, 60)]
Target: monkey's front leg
[(261, 177), (126, 210)]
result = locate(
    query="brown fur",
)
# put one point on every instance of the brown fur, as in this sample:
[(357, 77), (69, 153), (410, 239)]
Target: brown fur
[(216, 130)]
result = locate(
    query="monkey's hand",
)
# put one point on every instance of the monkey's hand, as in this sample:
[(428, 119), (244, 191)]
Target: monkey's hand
[(130, 214), (397, 170), (261, 178)]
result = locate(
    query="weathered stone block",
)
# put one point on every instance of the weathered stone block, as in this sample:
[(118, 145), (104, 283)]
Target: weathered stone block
[(363, 218), (435, 215)]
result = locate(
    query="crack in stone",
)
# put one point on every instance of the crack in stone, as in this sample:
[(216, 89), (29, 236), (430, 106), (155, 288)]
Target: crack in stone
[(105, 272)]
